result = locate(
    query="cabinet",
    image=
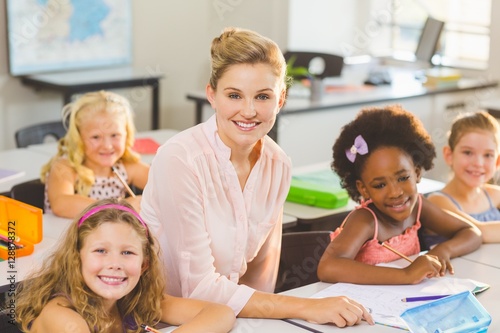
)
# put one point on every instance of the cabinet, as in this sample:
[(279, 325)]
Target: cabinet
[(307, 130)]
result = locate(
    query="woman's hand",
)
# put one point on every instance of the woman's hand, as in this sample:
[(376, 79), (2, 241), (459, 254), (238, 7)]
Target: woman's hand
[(341, 311)]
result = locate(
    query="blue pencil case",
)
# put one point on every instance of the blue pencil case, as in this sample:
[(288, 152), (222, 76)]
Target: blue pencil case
[(459, 313)]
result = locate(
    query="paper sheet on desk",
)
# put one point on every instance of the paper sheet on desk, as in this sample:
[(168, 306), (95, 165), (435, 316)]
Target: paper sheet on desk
[(384, 301)]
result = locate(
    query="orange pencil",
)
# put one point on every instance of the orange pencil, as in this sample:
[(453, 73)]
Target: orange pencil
[(395, 251), (149, 329), (120, 178)]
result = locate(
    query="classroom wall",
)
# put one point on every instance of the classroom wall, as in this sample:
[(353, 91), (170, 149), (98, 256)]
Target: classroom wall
[(170, 37), (173, 38)]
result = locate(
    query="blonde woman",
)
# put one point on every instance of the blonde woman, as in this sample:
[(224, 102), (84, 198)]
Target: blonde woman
[(216, 192), (93, 155)]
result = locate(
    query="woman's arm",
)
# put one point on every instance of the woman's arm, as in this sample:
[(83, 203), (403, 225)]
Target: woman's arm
[(341, 311), (61, 190), (196, 316)]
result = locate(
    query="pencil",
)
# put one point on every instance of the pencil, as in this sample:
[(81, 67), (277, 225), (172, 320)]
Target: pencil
[(395, 251), (120, 178), (149, 329), (423, 298)]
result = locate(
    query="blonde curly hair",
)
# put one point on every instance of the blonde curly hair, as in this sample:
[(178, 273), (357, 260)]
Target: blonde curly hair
[(61, 274), (71, 146)]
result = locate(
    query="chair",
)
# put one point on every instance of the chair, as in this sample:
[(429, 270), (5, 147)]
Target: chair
[(321, 65), (31, 192), (7, 323), (300, 255), (39, 133)]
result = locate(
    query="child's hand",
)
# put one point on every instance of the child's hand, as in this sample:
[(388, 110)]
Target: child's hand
[(341, 311), (426, 266), (444, 258)]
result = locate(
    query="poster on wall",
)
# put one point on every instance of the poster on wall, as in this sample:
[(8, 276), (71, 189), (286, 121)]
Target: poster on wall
[(61, 35)]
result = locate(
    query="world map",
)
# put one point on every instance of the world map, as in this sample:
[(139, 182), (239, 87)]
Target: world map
[(54, 35)]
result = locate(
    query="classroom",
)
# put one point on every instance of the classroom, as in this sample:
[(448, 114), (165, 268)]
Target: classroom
[(169, 65)]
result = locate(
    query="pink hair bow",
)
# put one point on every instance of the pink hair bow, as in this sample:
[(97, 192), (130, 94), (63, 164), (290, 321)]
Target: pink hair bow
[(359, 147)]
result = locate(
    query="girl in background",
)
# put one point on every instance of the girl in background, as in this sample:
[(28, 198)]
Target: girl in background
[(94, 282), (380, 157), (100, 137), (473, 155)]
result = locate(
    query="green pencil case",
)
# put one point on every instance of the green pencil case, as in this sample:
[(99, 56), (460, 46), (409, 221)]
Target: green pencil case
[(319, 189)]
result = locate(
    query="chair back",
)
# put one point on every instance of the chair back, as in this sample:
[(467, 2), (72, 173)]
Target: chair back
[(39, 133), (300, 255), (31, 192), (321, 65)]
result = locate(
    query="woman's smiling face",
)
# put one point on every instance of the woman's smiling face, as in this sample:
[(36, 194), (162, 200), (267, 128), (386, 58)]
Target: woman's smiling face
[(246, 100)]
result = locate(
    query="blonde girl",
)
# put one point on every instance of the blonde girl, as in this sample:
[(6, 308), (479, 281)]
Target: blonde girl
[(473, 155), (100, 137), (94, 282)]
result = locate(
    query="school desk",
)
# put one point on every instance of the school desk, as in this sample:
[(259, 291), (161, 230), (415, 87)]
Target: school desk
[(70, 83), (489, 255), (26, 161), (463, 269), (55, 226)]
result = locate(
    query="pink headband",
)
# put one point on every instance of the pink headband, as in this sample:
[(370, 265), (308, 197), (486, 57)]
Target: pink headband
[(112, 206)]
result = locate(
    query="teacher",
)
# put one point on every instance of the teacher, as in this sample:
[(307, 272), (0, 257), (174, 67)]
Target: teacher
[(215, 192)]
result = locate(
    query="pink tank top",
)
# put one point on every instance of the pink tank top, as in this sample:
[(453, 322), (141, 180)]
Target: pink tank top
[(373, 253)]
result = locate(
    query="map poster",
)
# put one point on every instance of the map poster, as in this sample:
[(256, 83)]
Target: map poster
[(57, 35)]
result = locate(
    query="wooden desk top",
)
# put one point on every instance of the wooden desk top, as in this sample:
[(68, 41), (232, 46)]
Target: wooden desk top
[(21, 159)]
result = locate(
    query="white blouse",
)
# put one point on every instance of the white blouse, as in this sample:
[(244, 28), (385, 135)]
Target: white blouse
[(218, 243)]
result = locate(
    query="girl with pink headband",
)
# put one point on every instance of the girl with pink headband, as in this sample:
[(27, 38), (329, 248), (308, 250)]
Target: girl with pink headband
[(105, 276)]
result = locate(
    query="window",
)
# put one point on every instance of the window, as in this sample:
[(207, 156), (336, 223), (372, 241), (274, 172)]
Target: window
[(465, 40)]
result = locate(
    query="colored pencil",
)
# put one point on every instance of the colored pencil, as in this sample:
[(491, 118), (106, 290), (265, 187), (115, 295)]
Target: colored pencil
[(395, 251), (423, 298), (120, 178), (149, 329)]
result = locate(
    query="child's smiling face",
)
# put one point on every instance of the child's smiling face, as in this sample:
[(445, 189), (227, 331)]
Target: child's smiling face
[(112, 260), (104, 138), (390, 179)]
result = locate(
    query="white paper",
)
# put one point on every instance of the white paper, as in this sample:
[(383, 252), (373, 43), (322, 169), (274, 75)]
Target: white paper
[(385, 301)]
